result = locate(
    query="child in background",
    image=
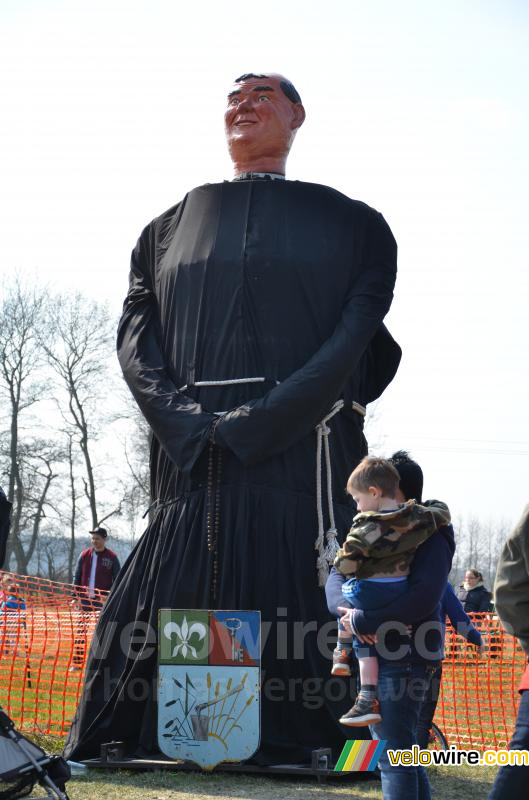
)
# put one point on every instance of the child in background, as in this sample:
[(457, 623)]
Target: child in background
[(378, 552), (10, 600), (12, 609)]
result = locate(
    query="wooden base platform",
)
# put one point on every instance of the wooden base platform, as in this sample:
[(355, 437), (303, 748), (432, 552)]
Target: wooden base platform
[(112, 757)]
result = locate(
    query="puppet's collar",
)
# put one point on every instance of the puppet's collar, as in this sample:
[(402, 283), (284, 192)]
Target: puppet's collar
[(259, 176)]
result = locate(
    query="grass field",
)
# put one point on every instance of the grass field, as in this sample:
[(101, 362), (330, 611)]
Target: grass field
[(448, 783)]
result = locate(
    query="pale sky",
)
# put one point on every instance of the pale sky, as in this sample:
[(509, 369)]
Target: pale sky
[(112, 110)]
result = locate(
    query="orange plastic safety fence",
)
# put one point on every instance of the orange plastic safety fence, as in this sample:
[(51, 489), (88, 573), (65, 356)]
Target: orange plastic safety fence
[(479, 700), (44, 643), (45, 631)]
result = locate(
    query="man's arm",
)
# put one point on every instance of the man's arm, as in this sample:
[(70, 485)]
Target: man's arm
[(511, 588), (426, 584), (261, 428), (178, 422), (333, 592), (458, 617)]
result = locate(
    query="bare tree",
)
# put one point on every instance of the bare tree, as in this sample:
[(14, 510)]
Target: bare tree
[(478, 547), (73, 506), (473, 535), (78, 354), (38, 463), (20, 361), (41, 459), (51, 561), (59, 397)]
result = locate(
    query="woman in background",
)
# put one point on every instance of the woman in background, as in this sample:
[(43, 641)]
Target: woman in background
[(473, 595)]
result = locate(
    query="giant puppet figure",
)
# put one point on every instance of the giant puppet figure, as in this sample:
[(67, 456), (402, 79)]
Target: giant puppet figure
[(251, 339)]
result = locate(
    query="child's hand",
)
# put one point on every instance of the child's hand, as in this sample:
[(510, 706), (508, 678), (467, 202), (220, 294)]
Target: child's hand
[(347, 620), (367, 638)]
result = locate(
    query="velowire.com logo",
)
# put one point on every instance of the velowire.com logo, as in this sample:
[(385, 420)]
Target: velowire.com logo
[(360, 755)]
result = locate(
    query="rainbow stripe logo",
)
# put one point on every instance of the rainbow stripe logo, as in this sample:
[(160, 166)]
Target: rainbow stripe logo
[(360, 755)]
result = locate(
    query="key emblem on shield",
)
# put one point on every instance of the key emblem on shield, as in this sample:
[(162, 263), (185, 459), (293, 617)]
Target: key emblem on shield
[(208, 689)]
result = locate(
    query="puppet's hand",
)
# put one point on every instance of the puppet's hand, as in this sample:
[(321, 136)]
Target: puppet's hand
[(237, 417)]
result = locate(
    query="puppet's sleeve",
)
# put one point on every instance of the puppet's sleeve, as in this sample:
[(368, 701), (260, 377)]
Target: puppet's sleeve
[(261, 428), (177, 421)]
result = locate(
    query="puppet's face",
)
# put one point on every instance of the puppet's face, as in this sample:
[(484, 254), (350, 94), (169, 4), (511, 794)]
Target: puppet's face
[(260, 120)]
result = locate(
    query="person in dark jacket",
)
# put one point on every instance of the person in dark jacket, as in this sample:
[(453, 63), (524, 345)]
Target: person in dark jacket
[(473, 595), (5, 516), (405, 669), (411, 482)]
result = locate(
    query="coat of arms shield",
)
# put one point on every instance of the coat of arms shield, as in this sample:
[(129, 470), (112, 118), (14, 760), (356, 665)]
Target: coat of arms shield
[(209, 685)]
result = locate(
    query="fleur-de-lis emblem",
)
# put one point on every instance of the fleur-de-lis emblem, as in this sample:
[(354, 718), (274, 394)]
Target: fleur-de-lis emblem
[(184, 633)]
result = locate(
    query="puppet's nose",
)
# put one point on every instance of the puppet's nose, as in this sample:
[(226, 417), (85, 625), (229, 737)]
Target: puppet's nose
[(246, 102)]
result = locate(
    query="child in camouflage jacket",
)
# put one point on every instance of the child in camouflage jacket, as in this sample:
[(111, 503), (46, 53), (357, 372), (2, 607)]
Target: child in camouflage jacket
[(377, 553)]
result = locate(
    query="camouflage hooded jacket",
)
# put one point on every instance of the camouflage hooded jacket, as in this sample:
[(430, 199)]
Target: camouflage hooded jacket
[(383, 543)]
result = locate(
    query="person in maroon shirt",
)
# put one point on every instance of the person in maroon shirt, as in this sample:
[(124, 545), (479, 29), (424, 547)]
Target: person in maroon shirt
[(97, 568)]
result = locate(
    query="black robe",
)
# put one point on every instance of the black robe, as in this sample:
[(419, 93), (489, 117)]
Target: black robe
[(280, 280)]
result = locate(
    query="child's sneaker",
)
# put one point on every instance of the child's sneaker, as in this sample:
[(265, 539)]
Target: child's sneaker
[(341, 662), (364, 712)]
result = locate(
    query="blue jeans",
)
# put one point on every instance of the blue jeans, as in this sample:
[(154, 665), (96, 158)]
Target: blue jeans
[(512, 782), (401, 689), (427, 712)]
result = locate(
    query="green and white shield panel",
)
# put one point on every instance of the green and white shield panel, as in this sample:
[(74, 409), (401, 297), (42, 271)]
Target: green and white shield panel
[(209, 685)]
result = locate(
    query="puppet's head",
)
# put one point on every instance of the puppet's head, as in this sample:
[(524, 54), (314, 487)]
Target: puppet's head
[(262, 117)]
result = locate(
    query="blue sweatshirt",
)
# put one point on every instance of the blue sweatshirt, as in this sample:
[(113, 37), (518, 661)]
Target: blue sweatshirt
[(419, 606), (10, 602)]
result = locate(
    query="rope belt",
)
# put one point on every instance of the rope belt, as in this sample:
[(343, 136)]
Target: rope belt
[(326, 545)]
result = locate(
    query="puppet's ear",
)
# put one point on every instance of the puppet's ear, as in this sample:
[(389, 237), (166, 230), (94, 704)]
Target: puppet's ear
[(298, 118)]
